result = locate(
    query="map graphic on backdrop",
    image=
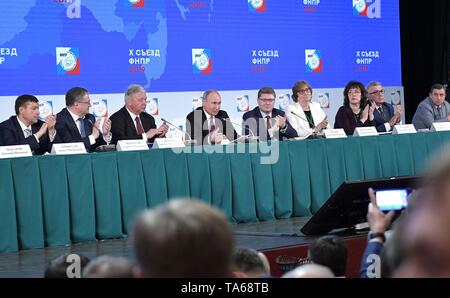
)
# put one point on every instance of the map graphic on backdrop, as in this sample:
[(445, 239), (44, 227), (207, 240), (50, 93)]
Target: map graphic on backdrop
[(173, 47), (106, 45)]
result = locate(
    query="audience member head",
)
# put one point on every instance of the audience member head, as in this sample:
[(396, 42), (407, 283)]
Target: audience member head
[(109, 267), (309, 271), (66, 266), (437, 94), (266, 99), (27, 109), (301, 91), (136, 99), (78, 101), (248, 263), (355, 93), (212, 102), (183, 238), (331, 252)]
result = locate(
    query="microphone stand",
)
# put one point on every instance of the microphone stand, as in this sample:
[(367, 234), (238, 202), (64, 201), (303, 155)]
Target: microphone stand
[(186, 142)]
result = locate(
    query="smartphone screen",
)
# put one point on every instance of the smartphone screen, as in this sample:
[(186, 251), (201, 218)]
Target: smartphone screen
[(392, 199)]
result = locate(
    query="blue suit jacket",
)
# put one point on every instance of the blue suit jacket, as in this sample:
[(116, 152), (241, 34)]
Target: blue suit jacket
[(379, 120), (259, 128), (67, 130), (11, 134), (373, 248)]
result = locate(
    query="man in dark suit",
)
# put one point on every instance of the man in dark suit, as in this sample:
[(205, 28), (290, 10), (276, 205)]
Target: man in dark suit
[(383, 114), (131, 122), (267, 122), (75, 124), (26, 128), (209, 124)]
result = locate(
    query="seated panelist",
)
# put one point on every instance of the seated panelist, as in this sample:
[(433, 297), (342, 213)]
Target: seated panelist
[(132, 122), (75, 124), (26, 128)]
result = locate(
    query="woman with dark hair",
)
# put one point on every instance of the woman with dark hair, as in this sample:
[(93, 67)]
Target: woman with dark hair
[(356, 111), (305, 116)]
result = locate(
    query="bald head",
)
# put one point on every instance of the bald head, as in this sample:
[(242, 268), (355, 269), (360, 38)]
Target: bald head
[(310, 271)]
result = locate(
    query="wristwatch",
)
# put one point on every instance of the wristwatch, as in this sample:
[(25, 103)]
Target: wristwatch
[(373, 235)]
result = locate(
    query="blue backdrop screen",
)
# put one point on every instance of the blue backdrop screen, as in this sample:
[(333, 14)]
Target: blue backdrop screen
[(48, 46)]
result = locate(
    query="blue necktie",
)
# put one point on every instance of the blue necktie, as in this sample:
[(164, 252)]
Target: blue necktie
[(82, 131)]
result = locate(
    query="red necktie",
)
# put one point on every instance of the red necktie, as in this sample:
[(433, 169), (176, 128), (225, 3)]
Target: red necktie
[(212, 126), (268, 122), (139, 128)]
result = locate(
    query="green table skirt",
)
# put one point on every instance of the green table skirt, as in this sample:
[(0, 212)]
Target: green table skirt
[(58, 200)]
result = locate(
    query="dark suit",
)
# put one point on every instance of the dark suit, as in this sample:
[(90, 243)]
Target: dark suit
[(199, 129), (12, 134), (254, 122), (346, 119), (67, 130), (379, 120), (123, 128)]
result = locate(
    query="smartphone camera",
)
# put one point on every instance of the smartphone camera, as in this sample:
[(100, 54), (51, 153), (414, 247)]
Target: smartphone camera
[(392, 199)]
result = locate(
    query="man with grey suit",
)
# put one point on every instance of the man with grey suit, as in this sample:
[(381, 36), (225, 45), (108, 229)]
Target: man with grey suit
[(432, 109)]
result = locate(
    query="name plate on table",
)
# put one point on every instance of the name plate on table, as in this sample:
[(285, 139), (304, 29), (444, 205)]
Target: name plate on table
[(440, 126), (334, 133), (168, 143), (68, 148), (15, 151), (404, 128), (365, 131), (131, 145)]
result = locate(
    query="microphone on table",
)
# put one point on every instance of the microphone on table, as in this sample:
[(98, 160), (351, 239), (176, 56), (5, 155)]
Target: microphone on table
[(190, 141), (314, 134), (107, 138), (297, 115), (251, 137)]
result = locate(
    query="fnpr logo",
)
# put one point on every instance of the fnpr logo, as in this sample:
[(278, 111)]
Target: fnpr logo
[(313, 60), (136, 3), (201, 61), (367, 8), (67, 61), (257, 5)]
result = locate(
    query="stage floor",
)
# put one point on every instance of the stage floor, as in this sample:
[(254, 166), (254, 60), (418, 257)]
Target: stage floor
[(264, 236)]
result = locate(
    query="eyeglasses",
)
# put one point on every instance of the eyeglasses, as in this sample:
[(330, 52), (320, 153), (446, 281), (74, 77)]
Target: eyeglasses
[(267, 99), (378, 92), (88, 102), (304, 91)]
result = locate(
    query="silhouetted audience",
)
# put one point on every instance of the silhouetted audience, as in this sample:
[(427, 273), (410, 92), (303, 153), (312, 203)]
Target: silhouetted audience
[(183, 238), (248, 262), (109, 267), (66, 266)]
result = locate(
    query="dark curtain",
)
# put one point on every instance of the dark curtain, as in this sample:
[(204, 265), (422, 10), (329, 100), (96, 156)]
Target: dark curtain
[(424, 30)]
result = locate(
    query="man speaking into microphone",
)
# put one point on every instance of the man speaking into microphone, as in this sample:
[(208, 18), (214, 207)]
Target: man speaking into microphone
[(132, 122), (208, 124), (268, 123)]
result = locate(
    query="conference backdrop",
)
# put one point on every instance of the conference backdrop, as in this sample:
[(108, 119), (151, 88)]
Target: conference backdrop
[(177, 49)]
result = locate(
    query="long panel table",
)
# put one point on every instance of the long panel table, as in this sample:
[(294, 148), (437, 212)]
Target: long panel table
[(57, 200)]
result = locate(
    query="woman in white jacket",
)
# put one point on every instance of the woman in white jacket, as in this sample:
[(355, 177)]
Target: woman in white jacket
[(306, 117)]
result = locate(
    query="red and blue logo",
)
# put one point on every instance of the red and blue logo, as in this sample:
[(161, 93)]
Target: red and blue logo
[(201, 61), (67, 61), (313, 60), (257, 5), (360, 7), (136, 3)]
